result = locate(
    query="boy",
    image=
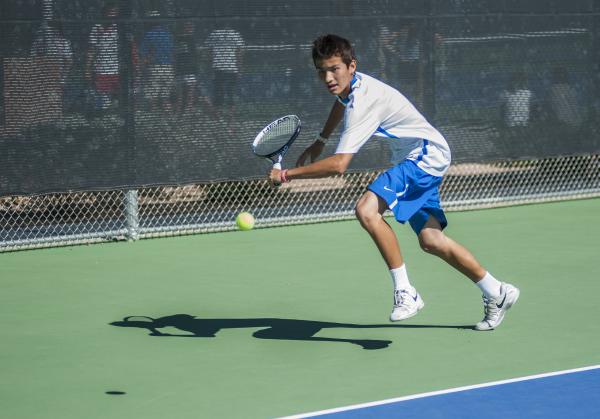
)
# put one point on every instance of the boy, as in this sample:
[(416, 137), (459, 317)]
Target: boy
[(409, 189), (102, 64)]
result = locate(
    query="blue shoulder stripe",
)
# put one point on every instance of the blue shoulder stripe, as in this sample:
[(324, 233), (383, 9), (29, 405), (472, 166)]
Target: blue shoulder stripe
[(423, 150), (387, 134)]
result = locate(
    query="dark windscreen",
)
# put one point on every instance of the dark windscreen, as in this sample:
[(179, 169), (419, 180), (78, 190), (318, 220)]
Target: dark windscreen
[(101, 95)]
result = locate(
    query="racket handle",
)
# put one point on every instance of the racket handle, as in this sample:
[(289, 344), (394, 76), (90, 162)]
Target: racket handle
[(278, 167)]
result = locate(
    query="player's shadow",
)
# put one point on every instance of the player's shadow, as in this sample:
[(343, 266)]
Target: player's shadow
[(271, 328)]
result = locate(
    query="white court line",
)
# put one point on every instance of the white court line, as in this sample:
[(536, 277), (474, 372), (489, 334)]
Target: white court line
[(437, 393)]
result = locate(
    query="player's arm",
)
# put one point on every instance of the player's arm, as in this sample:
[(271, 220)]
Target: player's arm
[(361, 123), (335, 117), (330, 166), (315, 149)]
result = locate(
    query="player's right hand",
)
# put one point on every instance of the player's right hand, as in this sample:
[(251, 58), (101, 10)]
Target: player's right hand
[(275, 177), (312, 152)]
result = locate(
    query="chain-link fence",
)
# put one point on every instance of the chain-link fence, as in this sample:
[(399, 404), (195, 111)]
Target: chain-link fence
[(86, 217)]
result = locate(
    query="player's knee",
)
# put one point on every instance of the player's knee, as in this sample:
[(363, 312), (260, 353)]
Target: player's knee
[(359, 212), (365, 214), (431, 242)]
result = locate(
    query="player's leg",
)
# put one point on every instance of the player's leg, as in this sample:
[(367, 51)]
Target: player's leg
[(369, 211), (433, 240), (498, 296)]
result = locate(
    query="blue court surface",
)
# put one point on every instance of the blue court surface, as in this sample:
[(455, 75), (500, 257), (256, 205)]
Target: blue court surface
[(565, 394)]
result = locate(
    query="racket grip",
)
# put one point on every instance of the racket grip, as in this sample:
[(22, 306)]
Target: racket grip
[(278, 167)]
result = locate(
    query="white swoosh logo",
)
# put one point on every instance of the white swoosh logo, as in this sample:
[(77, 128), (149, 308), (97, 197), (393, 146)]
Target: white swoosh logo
[(399, 194), (387, 189)]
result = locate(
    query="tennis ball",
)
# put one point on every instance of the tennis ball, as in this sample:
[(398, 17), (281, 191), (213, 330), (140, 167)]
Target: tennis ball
[(245, 221)]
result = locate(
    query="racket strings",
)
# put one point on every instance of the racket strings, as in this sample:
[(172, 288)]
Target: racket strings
[(276, 137)]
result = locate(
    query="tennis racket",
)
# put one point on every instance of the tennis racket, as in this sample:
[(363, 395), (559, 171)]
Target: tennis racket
[(276, 138)]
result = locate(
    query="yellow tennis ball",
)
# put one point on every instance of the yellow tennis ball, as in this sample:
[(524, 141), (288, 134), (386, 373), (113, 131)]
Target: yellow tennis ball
[(245, 221)]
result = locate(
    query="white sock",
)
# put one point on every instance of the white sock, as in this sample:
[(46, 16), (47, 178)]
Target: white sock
[(489, 285), (400, 278)]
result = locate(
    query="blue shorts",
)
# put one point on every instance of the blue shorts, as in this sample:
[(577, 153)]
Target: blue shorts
[(411, 194)]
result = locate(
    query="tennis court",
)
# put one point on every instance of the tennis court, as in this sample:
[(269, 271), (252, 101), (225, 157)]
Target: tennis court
[(285, 321)]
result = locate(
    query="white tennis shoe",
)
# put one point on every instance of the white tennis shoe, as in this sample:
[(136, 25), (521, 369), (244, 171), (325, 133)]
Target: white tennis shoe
[(494, 309), (407, 303)]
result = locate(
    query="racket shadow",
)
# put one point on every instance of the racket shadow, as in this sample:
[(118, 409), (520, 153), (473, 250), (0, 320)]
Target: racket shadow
[(271, 328)]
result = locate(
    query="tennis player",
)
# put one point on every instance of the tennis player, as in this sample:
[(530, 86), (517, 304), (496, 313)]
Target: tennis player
[(370, 108)]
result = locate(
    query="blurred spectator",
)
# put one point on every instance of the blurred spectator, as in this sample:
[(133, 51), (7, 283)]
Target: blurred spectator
[(50, 43), (156, 54), (387, 54), (563, 100), (411, 63), (226, 46), (186, 64), (102, 64), (399, 56), (516, 102), (409, 44), (55, 58)]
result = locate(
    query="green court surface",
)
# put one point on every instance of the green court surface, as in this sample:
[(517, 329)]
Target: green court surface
[(308, 291)]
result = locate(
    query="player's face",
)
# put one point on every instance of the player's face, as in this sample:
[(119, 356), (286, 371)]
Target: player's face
[(336, 75)]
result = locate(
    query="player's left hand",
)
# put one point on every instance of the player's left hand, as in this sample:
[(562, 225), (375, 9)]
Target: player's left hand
[(275, 177), (312, 153)]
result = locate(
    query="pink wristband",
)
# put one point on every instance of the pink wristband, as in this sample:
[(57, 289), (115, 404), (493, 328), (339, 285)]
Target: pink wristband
[(283, 176)]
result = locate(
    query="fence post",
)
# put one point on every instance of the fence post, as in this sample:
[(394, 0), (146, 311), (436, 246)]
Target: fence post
[(127, 109), (131, 214)]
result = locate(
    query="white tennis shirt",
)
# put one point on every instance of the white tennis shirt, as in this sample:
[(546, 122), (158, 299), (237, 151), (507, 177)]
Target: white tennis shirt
[(225, 44), (375, 109), (106, 41)]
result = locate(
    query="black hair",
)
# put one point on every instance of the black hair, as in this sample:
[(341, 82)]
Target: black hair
[(327, 46), (110, 5)]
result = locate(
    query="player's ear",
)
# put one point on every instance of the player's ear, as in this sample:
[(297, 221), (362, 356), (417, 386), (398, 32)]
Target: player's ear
[(352, 66)]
